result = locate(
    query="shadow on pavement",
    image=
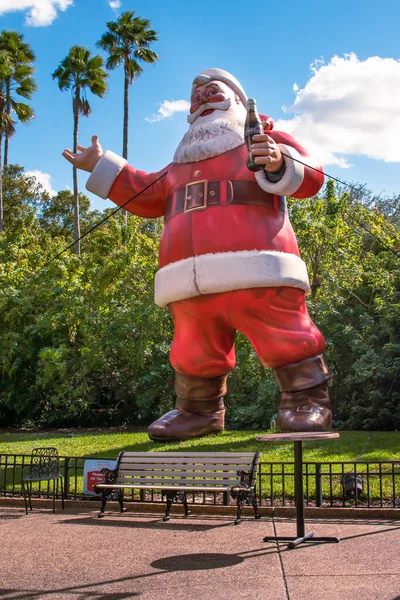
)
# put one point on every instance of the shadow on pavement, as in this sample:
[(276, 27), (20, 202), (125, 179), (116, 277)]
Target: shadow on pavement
[(34, 595), (197, 562), (159, 524), (207, 560), (359, 535)]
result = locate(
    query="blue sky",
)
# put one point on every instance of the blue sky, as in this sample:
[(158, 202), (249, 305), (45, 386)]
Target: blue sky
[(327, 72)]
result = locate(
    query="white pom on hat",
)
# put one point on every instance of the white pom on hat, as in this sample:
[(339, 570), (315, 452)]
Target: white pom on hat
[(220, 75)]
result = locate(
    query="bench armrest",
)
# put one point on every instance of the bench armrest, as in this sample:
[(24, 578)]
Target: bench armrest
[(245, 478), (110, 475)]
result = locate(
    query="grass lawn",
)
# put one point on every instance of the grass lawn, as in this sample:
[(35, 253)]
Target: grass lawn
[(107, 443)]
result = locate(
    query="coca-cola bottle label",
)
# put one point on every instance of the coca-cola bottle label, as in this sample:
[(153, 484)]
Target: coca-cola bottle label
[(254, 129)]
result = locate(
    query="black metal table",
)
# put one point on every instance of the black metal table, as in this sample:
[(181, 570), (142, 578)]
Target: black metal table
[(297, 439)]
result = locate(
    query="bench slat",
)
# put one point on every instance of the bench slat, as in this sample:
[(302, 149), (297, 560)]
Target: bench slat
[(170, 474), (182, 481), (176, 469), (185, 488), (186, 461), (189, 454)]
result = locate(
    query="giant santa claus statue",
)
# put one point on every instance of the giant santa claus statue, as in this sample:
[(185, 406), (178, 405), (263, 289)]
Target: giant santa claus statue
[(228, 259)]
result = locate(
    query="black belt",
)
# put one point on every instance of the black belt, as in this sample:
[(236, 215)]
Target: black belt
[(199, 195)]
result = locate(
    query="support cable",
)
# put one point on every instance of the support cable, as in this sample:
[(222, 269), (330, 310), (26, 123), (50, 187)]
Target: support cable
[(352, 187), (95, 226)]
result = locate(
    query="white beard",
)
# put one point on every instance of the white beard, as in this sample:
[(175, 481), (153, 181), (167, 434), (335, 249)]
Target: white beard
[(212, 135)]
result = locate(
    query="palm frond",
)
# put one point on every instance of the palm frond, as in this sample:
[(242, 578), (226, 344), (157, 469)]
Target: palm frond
[(146, 55), (115, 60), (23, 111), (7, 125), (127, 41), (12, 41), (80, 69), (26, 88), (133, 69)]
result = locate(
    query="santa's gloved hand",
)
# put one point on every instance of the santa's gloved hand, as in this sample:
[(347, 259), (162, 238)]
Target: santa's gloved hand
[(86, 158), (266, 152)]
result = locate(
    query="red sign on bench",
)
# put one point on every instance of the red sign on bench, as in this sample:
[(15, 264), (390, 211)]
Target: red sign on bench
[(92, 473)]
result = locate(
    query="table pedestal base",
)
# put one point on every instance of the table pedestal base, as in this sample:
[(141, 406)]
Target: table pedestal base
[(308, 537), (297, 439)]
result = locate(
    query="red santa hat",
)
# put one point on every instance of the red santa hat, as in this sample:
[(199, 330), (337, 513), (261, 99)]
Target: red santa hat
[(220, 75)]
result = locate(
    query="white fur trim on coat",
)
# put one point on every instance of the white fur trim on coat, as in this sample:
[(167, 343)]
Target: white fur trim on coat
[(228, 271), (292, 177), (105, 173)]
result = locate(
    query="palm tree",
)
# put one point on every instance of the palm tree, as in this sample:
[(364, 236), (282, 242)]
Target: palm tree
[(7, 124), (20, 79), (127, 42), (78, 71)]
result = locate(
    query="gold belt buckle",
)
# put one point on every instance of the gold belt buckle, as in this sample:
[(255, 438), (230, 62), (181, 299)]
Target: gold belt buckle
[(202, 194)]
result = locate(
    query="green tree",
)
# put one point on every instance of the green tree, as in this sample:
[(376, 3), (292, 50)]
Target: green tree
[(82, 342), (57, 215), (23, 196), (19, 81), (349, 243), (127, 42), (78, 72)]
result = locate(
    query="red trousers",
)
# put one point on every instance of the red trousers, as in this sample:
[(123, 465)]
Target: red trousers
[(275, 320)]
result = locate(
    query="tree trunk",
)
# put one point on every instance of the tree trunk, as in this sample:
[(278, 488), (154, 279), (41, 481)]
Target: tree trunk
[(1, 187), (8, 111), (77, 229), (126, 117), (125, 132)]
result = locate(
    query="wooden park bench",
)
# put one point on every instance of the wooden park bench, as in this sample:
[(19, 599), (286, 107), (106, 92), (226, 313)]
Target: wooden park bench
[(175, 474)]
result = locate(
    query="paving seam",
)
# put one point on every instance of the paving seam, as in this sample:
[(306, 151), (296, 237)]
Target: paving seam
[(281, 561), (331, 576)]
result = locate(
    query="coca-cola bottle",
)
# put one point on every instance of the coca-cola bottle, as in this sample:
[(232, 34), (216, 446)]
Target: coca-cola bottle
[(252, 126)]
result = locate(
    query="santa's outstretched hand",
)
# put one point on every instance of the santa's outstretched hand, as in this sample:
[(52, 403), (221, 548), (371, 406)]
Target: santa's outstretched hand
[(86, 158), (266, 152)]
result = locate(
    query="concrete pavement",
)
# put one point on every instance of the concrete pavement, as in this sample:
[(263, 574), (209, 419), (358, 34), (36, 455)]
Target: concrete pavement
[(74, 555)]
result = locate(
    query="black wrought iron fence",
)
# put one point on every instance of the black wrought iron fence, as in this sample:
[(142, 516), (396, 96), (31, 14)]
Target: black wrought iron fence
[(364, 484), (335, 484)]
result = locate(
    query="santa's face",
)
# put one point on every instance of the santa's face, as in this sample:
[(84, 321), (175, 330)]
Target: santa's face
[(216, 121), (207, 98)]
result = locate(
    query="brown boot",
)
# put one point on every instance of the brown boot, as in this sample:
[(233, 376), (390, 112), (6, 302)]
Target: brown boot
[(199, 410), (304, 404)]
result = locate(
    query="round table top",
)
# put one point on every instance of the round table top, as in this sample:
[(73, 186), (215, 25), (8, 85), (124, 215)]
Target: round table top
[(301, 436)]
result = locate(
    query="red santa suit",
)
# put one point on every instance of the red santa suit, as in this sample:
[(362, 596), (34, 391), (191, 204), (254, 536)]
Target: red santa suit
[(228, 255)]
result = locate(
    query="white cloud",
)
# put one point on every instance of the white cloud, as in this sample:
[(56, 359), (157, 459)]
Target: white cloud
[(114, 4), (168, 108), (44, 179), (40, 13), (348, 107)]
